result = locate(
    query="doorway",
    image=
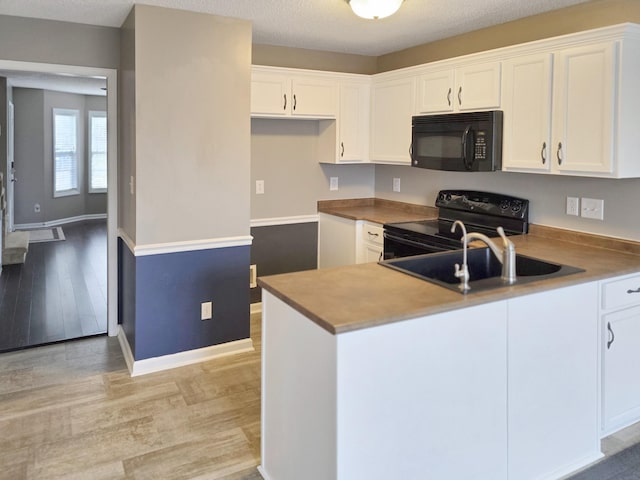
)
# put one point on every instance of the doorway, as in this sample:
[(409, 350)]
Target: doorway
[(110, 75)]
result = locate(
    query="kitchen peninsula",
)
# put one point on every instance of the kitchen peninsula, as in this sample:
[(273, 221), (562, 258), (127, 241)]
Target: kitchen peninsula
[(371, 373)]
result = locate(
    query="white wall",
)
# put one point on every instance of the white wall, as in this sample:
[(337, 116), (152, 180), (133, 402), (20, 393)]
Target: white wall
[(547, 194)]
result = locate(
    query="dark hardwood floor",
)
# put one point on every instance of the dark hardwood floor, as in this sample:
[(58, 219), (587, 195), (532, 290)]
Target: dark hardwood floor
[(60, 292)]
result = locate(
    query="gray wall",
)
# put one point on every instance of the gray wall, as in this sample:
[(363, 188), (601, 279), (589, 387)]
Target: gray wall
[(127, 127), (48, 41), (34, 157), (547, 194), (4, 117), (192, 125), (284, 155)]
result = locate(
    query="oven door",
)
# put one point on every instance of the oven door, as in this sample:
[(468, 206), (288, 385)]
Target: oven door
[(397, 245)]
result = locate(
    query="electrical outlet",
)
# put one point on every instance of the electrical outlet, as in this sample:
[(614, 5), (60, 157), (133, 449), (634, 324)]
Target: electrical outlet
[(333, 183), (259, 187), (36, 208), (592, 208), (206, 310), (573, 206), (131, 184), (396, 184)]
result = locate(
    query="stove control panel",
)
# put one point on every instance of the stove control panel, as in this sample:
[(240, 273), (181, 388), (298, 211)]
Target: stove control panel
[(484, 203)]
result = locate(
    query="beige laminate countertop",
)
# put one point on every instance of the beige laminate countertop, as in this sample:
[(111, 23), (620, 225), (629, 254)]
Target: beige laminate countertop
[(377, 210), (360, 296)]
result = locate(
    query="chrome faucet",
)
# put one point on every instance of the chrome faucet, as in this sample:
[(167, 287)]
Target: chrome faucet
[(462, 272), (506, 256)]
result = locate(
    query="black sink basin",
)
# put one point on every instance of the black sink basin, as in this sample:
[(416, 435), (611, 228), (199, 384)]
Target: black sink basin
[(484, 268)]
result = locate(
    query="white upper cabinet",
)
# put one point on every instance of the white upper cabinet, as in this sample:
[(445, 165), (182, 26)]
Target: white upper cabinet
[(353, 122), (559, 111), (392, 106), (276, 92), (473, 87), (572, 110), (527, 113), (583, 109)]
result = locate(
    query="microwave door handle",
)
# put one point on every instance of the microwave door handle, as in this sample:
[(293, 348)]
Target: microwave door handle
[(465, 140)]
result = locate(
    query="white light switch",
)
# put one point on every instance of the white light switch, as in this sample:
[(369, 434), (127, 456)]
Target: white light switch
[(333, 183), (592, 208), (259, 187)]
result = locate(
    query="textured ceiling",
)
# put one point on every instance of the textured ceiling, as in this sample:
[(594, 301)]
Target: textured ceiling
[(315, 24)]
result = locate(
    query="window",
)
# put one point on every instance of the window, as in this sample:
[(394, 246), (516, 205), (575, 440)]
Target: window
[(65, 152), (97, 152)]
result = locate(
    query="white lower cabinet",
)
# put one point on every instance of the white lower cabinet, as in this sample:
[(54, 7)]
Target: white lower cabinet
[(336, 241), (370, 244), (552, 378), (620, 345), (344, 242)]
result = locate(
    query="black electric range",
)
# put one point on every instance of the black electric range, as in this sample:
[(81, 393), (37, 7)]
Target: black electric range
[(480, 212)]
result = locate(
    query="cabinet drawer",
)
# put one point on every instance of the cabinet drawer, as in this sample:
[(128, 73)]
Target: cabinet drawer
[(620, 293), (372, 233)]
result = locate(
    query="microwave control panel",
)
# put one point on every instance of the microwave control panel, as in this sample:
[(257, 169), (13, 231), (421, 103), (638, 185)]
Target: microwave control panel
[(480, 146)]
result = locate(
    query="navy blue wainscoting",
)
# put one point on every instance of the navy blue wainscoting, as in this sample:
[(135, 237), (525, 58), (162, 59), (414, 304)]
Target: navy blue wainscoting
[(127, 292), (169, 289), (283, 249)]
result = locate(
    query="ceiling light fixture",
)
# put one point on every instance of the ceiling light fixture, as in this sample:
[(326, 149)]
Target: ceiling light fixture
[(374, 9)]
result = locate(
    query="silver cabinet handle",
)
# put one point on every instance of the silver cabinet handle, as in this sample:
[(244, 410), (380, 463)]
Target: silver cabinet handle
[(373, 234), (637, 290), (284, 107), (543, 153), (380, 257), (295, 102), (460, 96), (341, 149), (449, 96), (558, 154), (612, 337)]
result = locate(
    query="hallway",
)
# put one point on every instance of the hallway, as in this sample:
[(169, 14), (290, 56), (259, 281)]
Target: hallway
[(60, 292)]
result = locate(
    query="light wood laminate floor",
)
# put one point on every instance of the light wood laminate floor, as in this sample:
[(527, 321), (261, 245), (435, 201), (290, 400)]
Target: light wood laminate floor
[(71, 411)]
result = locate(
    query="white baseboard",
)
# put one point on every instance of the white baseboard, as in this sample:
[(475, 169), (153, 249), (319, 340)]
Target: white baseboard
[(60, 221), (263, 473), (268, 222), (180, 359), (256, 308)]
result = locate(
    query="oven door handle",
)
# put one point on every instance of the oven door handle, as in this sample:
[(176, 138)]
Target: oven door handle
[(412, 243)]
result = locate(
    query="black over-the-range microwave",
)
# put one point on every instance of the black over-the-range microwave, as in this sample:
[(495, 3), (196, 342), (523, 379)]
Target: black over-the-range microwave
[(460, 142)]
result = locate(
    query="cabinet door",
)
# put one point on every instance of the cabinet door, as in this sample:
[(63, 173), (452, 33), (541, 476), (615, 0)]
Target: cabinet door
[(372, 253), (435, 92), (584, 103), (314, 97), (270, 94), (526, 104), (336, 241), (621, 380), (478, 87), (552, 382), (392, 109), (354, 123)]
